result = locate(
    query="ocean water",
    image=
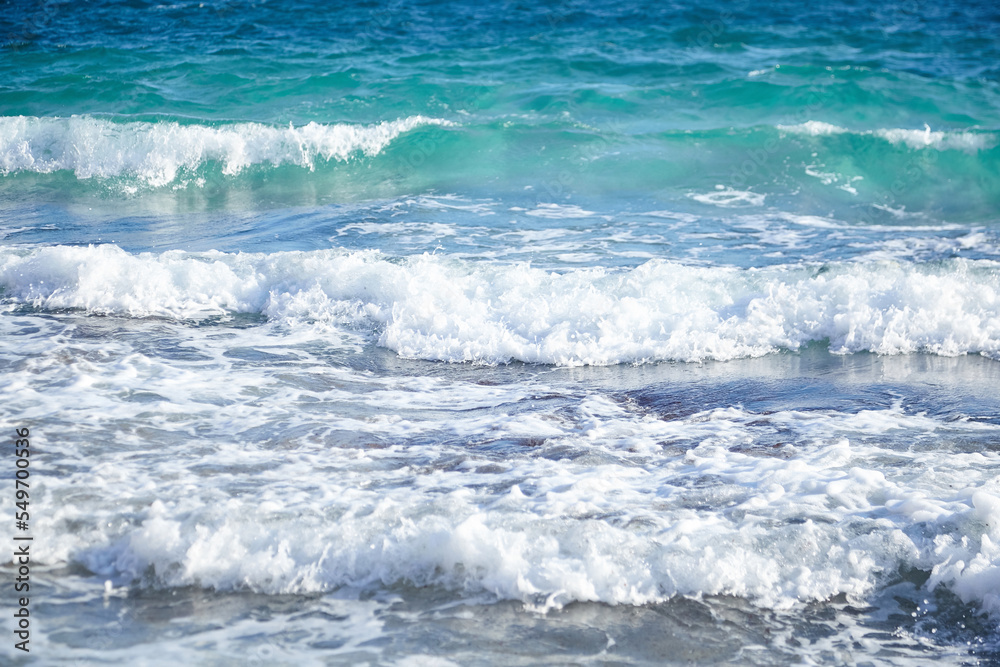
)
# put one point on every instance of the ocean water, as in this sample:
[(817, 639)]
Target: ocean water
[(426, 333)]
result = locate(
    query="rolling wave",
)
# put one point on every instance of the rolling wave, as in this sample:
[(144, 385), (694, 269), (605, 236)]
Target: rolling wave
[(441, 308), (155, 153)]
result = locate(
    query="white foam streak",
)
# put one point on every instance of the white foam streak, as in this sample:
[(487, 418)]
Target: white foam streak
[(155, 153), (925, 138), (435, 307), (728, 197), (558, 211)]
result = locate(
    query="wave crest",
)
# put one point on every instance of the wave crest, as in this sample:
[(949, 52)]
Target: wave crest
[(440, 308), (155, 153), (925, 138)]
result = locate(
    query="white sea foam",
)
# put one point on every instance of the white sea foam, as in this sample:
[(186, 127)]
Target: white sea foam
[(672, 215), (808, 505), (155, 153), (559, 211), (967, 141), (814, 128), (925, 138), (728, 197), (436, 307), (418, 232), (453, 203), (343, 477), (833, 223), (909, 247)]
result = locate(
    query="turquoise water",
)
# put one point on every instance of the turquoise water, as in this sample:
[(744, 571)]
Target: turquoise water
[(494, 333), (635, 102)]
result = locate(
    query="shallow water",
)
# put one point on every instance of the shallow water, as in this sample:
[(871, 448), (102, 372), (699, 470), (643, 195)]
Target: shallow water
[(424, 334)]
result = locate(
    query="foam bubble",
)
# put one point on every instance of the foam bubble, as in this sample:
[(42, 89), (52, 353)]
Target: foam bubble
[(155, 153)]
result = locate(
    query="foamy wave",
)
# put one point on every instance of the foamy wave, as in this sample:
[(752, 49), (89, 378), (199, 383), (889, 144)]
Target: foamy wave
[(925, 138), (155, 153), (435, 307), (819, 522)]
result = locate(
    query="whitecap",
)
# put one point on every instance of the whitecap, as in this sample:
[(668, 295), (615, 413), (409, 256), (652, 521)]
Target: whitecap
[(156, 153), (443, 308)]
